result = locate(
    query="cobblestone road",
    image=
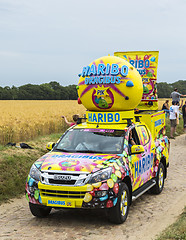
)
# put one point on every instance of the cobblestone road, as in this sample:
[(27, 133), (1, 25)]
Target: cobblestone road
[(148, 215)]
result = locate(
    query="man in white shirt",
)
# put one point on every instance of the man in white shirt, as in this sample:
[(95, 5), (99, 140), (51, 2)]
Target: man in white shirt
[(173, 118)]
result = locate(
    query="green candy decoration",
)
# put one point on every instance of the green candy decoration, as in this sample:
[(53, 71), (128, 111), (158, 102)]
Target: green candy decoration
[(145, 89), (129, 158), (28, 178), (118, 162), (125, 154), (27, 198), (36, 194), (114, 177), (149, 74), (103, 104)]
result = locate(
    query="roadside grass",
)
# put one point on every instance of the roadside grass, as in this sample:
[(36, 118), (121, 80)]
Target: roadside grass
[(15, 163), (179, 128), (176, 231)]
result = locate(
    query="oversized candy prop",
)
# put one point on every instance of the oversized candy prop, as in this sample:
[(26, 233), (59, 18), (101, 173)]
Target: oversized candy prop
[(146, 63), (110, 84)]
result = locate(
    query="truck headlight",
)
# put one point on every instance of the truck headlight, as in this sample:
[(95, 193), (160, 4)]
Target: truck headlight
[(100, 176), (35, 173)]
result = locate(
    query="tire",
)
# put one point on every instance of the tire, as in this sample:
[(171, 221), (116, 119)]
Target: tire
[(158, 188), (118, 214), (39, 211)]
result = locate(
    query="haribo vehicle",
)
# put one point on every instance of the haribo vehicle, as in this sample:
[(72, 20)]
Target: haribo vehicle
[(111, 157)]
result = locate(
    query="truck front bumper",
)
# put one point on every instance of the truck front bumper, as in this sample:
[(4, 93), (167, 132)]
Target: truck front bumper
[(62, 196)]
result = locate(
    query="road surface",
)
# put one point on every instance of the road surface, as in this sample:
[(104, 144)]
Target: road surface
[(148, 215)]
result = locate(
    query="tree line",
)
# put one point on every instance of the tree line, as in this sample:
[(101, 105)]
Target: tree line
[(46, 91), (54, 91), (165, 89)]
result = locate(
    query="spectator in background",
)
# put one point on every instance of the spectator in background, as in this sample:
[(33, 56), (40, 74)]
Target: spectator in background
[(75, 119), (178, 111), (176, 95), (165, 107), (173, 118), (184, 116)]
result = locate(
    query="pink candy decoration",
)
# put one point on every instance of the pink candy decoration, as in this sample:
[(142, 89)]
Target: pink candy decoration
[(104, 186)]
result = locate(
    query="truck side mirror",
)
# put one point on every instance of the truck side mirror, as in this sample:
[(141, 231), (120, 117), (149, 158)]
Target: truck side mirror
[(50, 145), (136, 149)]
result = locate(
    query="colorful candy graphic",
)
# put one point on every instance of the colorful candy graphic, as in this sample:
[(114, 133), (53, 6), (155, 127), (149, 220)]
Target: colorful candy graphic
[(146, 63)]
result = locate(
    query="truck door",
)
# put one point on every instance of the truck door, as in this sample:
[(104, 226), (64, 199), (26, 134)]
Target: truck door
[(143, 162)]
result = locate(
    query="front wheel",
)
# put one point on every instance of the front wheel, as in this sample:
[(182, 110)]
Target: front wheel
[(118, 214), (39, 210), (157, 189)]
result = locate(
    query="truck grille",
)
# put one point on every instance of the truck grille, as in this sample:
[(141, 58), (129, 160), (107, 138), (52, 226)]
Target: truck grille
[(62, 194), (59, 178), (61, 182)]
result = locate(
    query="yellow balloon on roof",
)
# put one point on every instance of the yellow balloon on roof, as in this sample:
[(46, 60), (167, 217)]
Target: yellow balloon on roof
[(110, 84)]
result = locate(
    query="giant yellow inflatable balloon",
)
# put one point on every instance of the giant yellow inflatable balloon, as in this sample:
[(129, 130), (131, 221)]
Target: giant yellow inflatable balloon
[(110, 84)]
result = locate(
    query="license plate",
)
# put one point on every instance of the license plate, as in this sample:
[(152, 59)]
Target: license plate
[(62, 177), (59, 203)]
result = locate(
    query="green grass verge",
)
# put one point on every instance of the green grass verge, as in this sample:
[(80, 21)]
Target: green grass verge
[(15, 164), (179, 128), (176, 231)]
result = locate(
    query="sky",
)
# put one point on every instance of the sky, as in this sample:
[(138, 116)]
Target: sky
[(52, 40)]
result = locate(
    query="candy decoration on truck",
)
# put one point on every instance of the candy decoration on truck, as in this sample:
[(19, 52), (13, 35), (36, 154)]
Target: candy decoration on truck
[(110, 84)]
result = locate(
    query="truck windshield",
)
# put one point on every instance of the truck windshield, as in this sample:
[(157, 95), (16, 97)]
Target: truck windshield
[(92, 141)]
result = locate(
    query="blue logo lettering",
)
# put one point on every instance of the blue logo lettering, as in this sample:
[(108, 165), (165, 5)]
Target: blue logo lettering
[(96, 74), (158, 122), (56, 202)]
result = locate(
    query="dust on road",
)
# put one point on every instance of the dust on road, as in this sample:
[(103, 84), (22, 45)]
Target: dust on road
[(148, 215)]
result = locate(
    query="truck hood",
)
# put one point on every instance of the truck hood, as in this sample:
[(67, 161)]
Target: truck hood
[(85, 162)]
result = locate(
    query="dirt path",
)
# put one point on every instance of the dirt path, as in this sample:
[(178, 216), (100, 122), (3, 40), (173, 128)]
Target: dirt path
[(148, 215)]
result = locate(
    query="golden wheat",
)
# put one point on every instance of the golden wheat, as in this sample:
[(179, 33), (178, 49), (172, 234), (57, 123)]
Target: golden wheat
[(162, 100), (24, 120)]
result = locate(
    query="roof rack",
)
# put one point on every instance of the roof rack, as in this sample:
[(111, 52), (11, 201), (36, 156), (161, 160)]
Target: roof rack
[(137, 118), (129, 121)]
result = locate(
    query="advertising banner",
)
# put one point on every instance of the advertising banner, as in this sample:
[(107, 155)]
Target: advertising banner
[(146, 63)]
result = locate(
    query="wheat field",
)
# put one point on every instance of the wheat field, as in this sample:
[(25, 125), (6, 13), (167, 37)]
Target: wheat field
[(25, 120)]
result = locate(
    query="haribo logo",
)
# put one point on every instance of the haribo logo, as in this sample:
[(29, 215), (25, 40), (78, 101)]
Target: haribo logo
[(140, 65), (103, 117), (104, 74), (143, 165)]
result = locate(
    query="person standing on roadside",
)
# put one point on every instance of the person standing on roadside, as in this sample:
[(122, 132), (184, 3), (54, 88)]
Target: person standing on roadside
[(173, 118), (184, 116), (165, 107), (176, 95), (178, 110)]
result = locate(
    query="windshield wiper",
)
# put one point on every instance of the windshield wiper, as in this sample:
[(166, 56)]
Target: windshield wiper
[(87, 151), (62, 150)]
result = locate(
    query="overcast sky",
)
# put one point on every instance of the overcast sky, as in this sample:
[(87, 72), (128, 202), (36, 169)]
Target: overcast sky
[(52, 40)]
